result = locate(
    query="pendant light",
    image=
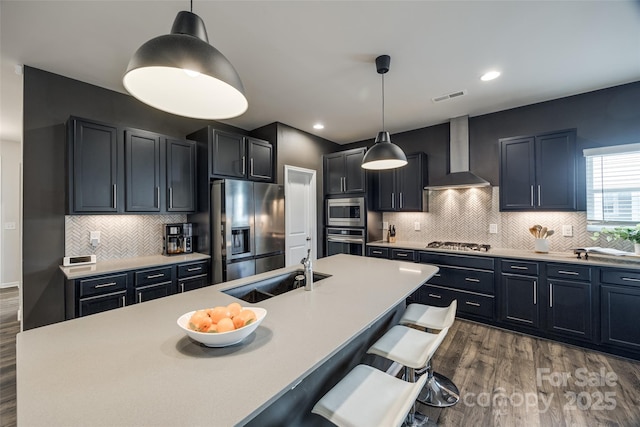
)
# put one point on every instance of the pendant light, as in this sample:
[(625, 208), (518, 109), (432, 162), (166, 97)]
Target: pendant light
[(384, 154), (182, 74)]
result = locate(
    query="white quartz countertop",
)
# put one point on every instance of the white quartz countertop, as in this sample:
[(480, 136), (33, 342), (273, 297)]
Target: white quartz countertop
[(632, 261), (134, 366), (116, 265)]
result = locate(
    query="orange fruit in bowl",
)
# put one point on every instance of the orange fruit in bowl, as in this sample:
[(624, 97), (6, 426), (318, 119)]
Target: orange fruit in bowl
[(243, 318), (234, 308), (225, 325), (218, 313), (200, 321)]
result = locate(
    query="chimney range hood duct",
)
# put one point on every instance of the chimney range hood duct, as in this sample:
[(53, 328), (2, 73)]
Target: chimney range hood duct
[(459, 176)]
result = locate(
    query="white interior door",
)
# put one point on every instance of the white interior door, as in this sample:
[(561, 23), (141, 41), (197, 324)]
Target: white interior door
[(300, 213)]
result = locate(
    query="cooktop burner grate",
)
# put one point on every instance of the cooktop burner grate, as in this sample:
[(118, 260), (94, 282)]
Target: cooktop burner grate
[(459, 246)]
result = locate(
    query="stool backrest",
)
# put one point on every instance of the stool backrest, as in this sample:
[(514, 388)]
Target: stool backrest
[(451, 314)]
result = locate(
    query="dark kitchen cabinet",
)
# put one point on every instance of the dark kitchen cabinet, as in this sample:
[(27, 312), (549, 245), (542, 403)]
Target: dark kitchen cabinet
[(193, 276), (569, 306), (343, 173), (96, 294), (538, 172), (93, 167), (402, 189), (143, 171), (181, 176), (153, 283), (231, 155), (100, 303), (519, 293), (620, 299), (377, 252)]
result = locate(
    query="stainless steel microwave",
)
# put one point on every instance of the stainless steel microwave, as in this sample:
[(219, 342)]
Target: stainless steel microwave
[(346, 212)]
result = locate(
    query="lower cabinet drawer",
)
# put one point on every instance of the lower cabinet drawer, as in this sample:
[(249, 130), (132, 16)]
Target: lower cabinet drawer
[(103, 285), (464, 278), (621, 277), (100, 303), (194, 269), (468, 303), (403, 254), (376, 252), (191, 283), (156, 275)]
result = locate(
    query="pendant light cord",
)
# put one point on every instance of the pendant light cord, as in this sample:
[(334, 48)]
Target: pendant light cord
[(191, 6), (383, 129)]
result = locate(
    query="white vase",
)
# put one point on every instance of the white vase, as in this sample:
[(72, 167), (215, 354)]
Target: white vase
[(636, 248)]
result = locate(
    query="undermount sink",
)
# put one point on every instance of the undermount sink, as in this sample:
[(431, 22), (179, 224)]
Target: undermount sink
[(268, 288)]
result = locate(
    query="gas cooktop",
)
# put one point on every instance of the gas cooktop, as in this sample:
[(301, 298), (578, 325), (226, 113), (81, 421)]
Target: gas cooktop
[(458, 246)]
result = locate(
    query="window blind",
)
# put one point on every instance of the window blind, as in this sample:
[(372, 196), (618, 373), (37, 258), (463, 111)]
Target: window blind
[(613, 186)]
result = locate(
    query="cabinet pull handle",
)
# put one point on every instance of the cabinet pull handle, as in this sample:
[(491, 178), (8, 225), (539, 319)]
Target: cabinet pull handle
[(158, 196), (471, 279), (155, 276), (377, 252), (251, 166), (539, 196), (401, 201), (344, 183), (435, 296), (124, 301), (104, 285), (630, 279), (402, 254), (517, 267), (437, 275), (572, 273), (475, 304), (170, 197), (115, 196), (532, 195), (550, 294), (243, 168), (194, 269), (139, 297), (393, 200), (535, 292), (182, 287)]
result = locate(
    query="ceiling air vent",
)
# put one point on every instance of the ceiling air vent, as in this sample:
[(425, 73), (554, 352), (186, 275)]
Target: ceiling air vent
[(449, 96)]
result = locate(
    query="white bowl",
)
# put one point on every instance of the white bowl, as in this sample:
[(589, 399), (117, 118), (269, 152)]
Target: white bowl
[(222, 339)]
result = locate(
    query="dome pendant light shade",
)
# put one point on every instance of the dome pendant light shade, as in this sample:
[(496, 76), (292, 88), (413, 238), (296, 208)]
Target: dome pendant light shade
[(384, 154), (182, 74)]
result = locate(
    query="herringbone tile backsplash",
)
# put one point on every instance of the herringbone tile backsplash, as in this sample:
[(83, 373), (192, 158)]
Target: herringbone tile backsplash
[(465, 215), (121, 236)]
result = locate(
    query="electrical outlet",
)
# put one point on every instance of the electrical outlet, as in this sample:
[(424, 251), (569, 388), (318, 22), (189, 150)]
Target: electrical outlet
[(567, 230), (416, 226), (94, 238), (9, 225), (385, 225), (493, 228)]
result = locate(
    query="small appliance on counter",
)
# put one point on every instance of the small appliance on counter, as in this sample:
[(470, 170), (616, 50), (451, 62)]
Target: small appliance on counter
[(178, 239)]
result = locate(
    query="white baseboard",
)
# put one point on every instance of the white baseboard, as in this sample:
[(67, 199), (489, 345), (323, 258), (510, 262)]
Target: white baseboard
[(9, 285)]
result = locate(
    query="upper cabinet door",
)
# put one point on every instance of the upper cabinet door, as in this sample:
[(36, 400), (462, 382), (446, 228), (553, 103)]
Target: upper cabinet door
[(411, 180), (385, 191), (181, 176), (343, 173), (556, 171), (517, 173), (260, 160), (538, 172), (142, 171), (93, 167), (228, 157)]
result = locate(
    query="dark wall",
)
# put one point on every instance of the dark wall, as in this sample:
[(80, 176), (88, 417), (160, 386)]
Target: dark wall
[(605, 117), (49, 100), (298, 148)]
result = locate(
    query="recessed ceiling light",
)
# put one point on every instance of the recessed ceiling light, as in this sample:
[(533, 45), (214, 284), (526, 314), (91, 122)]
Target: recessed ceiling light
[(490, 76), (318, 126)]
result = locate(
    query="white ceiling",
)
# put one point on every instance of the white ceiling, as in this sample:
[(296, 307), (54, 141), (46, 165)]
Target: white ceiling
[(308, 61)]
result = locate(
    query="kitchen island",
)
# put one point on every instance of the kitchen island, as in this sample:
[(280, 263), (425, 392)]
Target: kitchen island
[(135, 366)]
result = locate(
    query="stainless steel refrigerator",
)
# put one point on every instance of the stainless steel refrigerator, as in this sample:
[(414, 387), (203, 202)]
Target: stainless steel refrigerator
[(247, 228)]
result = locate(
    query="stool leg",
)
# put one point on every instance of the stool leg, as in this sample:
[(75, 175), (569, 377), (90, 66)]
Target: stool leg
[(414, 418), (439, 391)]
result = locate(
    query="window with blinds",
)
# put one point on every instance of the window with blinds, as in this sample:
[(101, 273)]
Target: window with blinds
[(613, 186)]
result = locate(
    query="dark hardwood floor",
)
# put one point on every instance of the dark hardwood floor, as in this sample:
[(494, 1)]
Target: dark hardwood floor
[(9, 327), (505, 378)]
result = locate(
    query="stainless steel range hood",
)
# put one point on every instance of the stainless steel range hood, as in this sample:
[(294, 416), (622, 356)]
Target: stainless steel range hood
[(459, 176)]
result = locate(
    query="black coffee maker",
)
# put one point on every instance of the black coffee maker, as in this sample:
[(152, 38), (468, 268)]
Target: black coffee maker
[(178, 239)]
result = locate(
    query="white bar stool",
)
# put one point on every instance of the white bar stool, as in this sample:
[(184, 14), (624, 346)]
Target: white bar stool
[(368, 397), (411, 348), (439, 391)]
